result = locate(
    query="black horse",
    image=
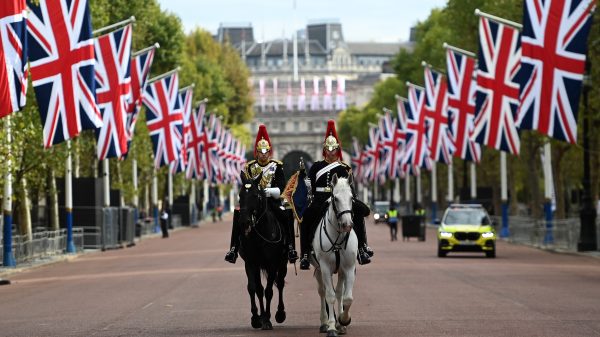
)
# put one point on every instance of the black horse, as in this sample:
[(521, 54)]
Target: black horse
[(263, 250)]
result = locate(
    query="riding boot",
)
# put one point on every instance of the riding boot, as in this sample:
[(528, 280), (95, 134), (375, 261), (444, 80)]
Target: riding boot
[(360, 208), (292, 253), (304, 245), (232, 254), (359, 229)]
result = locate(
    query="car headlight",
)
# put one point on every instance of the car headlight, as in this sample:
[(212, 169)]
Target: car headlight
[(487, 235), (446, 235), (376, 216)]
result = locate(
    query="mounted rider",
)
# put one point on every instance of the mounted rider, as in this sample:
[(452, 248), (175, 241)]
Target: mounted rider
[(273, 183), (319, 186)]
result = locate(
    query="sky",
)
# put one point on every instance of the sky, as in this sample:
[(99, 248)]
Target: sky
[(362, 20)]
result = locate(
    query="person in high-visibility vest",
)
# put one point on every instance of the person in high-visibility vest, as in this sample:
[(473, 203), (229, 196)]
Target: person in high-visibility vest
[(420, 211), (393, 222)]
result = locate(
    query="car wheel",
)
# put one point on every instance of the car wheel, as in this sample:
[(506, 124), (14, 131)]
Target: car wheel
[(442, 253)]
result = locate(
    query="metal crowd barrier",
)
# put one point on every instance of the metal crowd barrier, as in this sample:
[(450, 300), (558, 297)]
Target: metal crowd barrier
[(43, 244)]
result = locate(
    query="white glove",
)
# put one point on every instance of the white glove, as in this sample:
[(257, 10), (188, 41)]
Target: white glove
[(272, 192)]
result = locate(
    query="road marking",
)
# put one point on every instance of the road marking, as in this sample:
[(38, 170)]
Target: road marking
[(147, 305)]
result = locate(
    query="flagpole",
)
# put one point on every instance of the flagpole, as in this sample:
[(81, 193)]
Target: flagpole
[(504, 195), (135, 188), (459, 50), (154, 46), (549, 237), (69, 200), (450, 182), (155, 200), (295, 46), (473, 182), (106, 182), (191, 86), (427, 65), (433, 191), (114, 25), (8, 259), (419, 193), (414, 86), (498, 19), (193, 218), (168, 73)]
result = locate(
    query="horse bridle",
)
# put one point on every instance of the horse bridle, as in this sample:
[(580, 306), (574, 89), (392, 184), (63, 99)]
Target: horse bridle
[(338, 215)]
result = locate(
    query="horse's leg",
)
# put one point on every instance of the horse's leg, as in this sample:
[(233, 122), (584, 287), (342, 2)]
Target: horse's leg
[(350, 276), (327, 278), (321, 289), (280, 281), (339, 291), (266, 317), (260, 293), (250, 274)]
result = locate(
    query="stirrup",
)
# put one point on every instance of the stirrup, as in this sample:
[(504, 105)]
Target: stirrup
[(292, 255), (369, 250), (363, 257), (231, 255), (304, 262)]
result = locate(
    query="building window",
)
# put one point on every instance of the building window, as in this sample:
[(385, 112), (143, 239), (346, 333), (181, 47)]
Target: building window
[(282, 126), (296, 125)]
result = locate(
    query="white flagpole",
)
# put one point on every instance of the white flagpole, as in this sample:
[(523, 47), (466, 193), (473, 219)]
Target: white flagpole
[(136, 199), (106, 182), (8, 259), (450, 183), (295, 47), (155, 200), (69, 200), (473, 181), (114, 25), (419, 193), (407, 187), (193, 214), (433, 191), (170, 190), (548, 191), (397, 194), (504, 195), (205, 193), (141, 51)]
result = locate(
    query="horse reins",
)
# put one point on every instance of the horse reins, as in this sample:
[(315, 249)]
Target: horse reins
[(256, 220), (335, 246)]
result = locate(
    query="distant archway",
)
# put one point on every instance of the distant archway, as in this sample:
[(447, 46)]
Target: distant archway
[(291, 162)]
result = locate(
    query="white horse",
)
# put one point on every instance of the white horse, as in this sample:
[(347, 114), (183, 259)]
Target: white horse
[(335, 246)]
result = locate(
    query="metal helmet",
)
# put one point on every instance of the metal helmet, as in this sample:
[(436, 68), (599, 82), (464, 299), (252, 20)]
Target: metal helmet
[(262, 143), (332, 141)]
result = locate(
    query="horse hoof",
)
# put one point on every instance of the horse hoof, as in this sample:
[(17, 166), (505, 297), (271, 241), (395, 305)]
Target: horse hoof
[(280, 316), (341, 329), (332, 333), (323, 328), (347, 322), (255, 321), (267, 325)]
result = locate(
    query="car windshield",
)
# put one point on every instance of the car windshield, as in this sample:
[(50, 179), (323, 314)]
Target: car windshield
[(466, 217)]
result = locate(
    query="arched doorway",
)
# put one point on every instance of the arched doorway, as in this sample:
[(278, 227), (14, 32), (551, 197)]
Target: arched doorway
[(291, 162)]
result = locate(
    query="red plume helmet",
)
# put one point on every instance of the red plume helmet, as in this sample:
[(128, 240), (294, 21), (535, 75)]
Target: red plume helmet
[(332, 141), (262, 140)]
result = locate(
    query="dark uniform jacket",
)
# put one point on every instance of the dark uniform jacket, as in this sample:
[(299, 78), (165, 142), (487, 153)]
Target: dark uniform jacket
[(272, 175), (320, 175)]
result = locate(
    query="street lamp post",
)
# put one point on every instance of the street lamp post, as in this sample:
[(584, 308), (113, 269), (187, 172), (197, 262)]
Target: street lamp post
[(587, 214)]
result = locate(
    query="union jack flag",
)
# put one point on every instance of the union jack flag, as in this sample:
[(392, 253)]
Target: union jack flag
[(13, 53), (554, 50), (393, 142), (461, 104), (416, 150), (140, 70), (185, 101), (497, 97), (213, 134), (164, 119), (61, 55), (357, 161), (196, 144), (441, 142), (113, 91)]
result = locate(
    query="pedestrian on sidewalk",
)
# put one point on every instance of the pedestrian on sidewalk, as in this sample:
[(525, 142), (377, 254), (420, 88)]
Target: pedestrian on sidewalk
[(393, 222), (164, 220)]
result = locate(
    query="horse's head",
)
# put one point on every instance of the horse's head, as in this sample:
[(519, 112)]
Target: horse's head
[(342, 202), (251, 197)]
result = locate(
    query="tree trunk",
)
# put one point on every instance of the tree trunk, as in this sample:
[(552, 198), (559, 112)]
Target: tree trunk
[(24, 214), (53, 200)]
